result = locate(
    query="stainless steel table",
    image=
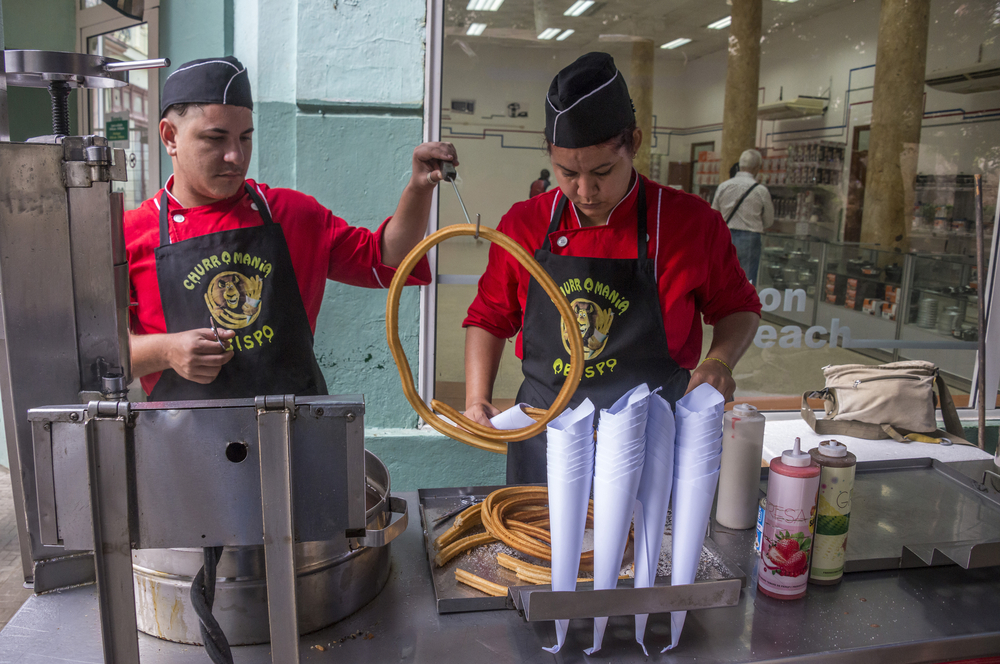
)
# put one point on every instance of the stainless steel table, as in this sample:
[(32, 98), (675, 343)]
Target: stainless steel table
[(918, 615)]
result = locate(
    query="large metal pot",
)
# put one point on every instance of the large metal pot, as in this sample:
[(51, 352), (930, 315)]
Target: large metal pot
[(332, 580)]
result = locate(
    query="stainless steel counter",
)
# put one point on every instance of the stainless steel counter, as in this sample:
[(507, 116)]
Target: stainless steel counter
[(918, 615)]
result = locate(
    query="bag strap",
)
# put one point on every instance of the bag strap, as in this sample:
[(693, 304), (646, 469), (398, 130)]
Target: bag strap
[(740, 202), (840, 427), (948, 413), (953, 432)]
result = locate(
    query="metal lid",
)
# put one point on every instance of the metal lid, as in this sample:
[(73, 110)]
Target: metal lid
[(37, 69)]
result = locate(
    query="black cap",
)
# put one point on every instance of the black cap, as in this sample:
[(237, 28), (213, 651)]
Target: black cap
[(208, 81), (588, 103)]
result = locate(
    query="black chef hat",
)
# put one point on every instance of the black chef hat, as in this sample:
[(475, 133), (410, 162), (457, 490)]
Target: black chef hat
[(588, 103), (208, 81)]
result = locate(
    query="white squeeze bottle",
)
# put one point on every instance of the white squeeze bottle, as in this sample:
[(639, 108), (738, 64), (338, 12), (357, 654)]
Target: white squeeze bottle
[(739, 479)]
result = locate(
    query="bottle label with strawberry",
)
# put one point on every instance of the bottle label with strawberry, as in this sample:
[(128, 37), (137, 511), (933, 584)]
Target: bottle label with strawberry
[(787, 538)]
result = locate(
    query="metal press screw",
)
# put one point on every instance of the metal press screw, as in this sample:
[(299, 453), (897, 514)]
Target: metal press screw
[(349, 417), (74, 416)]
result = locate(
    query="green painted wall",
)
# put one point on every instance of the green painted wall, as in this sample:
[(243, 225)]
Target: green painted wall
[(44, 25), (189, 30), (428, 460)]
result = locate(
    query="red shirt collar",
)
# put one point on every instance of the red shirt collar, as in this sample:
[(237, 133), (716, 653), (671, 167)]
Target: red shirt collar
[(175, 205)]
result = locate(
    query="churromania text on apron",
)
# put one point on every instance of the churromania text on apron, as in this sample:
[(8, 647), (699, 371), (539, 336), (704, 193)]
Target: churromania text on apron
[(244, 281)]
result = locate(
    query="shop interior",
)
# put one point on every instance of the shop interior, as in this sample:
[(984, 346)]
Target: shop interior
[(817, 69)]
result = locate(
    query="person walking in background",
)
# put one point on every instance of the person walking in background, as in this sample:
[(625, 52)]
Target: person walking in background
[(541, 185), (746, 206)]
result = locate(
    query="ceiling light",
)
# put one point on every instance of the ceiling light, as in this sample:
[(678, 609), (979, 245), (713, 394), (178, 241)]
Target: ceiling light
[(677, 42), (475, 29), (483, 5), (549, 33), (565, 34), (581, 6), (721, 23)]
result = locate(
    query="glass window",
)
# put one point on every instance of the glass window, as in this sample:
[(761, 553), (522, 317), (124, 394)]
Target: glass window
[(128, 105), (830, 294)]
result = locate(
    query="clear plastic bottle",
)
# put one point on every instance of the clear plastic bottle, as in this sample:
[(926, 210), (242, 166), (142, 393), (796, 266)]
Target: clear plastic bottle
[(739, 479)]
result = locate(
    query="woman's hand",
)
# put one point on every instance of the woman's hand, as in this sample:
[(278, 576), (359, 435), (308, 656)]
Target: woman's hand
[(481, 412)]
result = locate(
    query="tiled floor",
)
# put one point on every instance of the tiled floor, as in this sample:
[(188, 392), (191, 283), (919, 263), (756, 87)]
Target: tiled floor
[(12, 591)]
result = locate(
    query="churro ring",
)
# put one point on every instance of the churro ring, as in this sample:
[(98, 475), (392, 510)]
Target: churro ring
[(473, 433)]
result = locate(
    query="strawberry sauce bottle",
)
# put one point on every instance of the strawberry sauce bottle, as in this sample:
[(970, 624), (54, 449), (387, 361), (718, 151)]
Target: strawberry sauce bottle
[(792, 486)]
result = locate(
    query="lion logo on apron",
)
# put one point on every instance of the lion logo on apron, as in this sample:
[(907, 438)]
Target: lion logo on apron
[(234, 299), (593, 322)]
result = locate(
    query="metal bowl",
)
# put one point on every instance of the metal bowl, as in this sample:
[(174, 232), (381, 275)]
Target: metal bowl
[(332, 580)]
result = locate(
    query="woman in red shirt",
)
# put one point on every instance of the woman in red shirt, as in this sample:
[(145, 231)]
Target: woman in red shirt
[(639, 263)]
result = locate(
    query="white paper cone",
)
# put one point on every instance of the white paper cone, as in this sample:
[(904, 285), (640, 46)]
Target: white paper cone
[(676, 626), (652, 502), (512, 418), (572, 441), (562, 626)]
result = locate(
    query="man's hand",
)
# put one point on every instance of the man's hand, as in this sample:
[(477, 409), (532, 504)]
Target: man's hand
[(196, 356), (427, 158), (481, 412), (716, 375), (409, 222)]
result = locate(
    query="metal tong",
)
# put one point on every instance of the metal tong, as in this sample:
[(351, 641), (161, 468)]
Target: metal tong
[(463, 505), (449, 173)]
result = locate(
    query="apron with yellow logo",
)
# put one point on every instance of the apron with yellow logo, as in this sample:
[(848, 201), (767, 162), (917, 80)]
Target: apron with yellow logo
[(242, 280), (617, 309)]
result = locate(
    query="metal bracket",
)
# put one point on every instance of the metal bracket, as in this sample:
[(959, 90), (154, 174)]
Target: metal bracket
[(274, 427), (109, 409), (275, 402), (89, 159), (377, 538)]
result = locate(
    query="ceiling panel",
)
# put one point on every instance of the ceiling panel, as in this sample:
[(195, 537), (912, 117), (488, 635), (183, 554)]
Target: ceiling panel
[(519, 22)]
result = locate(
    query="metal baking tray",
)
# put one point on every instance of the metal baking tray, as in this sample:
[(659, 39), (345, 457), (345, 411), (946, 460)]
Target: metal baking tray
[(716, 573), (918, 513)]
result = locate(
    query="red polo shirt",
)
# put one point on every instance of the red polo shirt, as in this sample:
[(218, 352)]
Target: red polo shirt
[(322, 246), (696, 267)]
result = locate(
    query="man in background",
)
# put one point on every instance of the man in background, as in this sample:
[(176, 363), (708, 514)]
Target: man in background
[(746, 206), (540, 185)]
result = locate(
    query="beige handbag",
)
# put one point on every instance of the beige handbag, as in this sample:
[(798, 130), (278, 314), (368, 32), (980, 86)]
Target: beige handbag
[(893, 400)]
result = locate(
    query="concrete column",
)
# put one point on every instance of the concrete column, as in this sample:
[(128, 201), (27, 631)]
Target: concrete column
[(640, 86), (739, 117), (897, 113)]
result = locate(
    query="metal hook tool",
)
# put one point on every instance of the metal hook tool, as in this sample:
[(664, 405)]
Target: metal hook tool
[(449, 173)]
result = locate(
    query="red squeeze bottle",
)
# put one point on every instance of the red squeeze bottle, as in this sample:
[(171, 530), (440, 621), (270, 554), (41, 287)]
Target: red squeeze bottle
[(792, 487)]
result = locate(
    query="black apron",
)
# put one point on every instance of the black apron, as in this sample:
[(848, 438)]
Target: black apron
[(243, 279), (631, 350)]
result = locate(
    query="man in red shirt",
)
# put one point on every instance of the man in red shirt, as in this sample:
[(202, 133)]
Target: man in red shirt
[(227, 274)]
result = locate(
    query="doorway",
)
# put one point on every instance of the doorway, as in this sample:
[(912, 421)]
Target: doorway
[(696, 150), (856, 184)]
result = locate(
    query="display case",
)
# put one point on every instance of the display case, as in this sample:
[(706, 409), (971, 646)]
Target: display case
[(942, 305), (922, 306), (789, 263)]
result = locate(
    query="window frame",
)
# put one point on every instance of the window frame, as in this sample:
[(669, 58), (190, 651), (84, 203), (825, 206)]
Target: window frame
[(95, 21)]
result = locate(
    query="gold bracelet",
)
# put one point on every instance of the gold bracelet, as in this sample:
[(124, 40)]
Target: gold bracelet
[(729, 368)]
